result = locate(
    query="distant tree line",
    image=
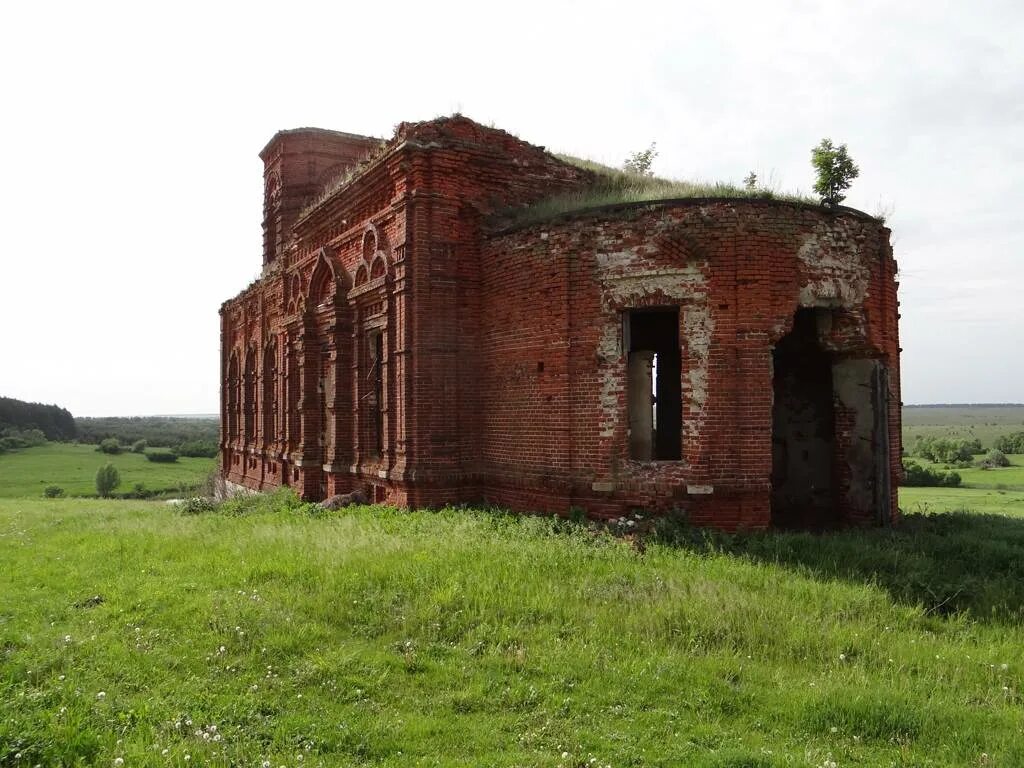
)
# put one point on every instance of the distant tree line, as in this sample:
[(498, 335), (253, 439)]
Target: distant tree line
[(187, 436), (24, 424), (54, 422)]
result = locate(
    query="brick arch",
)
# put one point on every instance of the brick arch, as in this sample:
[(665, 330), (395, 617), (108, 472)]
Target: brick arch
[(379, 267), (370, 242), (323, 283), (362, 274)]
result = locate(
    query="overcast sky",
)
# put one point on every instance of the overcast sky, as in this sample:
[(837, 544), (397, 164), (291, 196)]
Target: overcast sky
[(131, 189)]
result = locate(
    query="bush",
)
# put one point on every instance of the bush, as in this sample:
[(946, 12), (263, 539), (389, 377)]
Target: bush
[(139, 491), (995, 458), (161, 456), (53, 492), (110, 445), (950, 479), (12, 443), (107, 479), (914, 475), (197, 505), (139, 446), (943, 450), (1012, 443), (23, 438), (199, 448)]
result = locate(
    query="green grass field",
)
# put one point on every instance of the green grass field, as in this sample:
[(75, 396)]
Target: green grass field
[(1009, 478), (73, 467), (983, 422), (464, 639), (979, 500)]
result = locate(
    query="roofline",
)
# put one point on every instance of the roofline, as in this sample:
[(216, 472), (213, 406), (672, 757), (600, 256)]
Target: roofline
[(321, 131), (670, 202)]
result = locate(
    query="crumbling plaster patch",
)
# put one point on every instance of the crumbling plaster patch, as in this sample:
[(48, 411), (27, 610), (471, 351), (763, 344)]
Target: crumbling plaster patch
[(834, 270)]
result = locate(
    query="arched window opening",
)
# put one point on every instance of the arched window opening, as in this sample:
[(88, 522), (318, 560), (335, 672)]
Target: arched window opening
[(322, 291), (232, 393), (369, 246), (250, 394), (270, 393)]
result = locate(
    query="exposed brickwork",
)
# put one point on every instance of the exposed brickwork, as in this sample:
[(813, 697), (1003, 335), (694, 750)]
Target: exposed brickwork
[(395, 345)]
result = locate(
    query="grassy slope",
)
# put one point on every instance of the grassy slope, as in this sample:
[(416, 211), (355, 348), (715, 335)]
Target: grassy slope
[(73, 467), (377, 638)]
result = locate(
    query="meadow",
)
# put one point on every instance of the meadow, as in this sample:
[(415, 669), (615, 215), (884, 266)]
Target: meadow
[(270, 633), (466, 638), (27, 472), (985, 422)]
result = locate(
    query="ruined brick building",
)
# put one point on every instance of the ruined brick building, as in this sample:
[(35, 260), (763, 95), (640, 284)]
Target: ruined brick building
[(735, 359)]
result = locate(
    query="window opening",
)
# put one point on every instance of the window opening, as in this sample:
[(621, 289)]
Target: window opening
[(654, 383), (378, 391), (373, 399)]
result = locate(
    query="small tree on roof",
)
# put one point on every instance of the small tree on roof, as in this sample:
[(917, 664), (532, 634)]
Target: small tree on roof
[(641, 162), (835, 169)]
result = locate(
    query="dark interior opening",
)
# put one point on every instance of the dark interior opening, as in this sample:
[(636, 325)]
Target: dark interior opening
[(803, 425), (654, 387), (377, 352)]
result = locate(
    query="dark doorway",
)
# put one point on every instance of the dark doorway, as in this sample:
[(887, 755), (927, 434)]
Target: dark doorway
[(654, 387), (803, 430)]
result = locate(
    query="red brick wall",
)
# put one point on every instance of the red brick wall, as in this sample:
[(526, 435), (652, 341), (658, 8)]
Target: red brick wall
[(421, 200), (504, 375), (738, 270)]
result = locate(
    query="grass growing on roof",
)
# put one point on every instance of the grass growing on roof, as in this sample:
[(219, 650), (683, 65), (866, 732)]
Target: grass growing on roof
[(373, 637), (613, 186)]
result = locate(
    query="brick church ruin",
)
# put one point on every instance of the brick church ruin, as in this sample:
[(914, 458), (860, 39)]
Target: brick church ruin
[(735, 359)]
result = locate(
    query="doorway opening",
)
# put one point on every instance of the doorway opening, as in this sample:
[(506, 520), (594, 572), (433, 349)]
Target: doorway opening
[(803, 430), (654, 383)]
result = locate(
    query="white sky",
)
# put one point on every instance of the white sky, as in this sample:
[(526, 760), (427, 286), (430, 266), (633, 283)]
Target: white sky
[(131, 189)]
